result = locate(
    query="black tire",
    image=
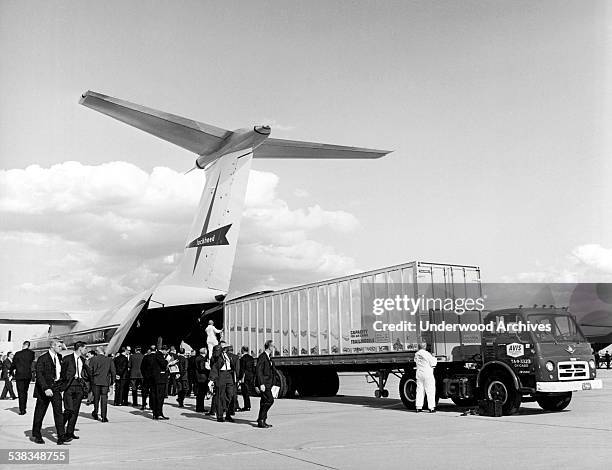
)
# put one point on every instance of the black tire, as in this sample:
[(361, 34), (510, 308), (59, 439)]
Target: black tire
[(407, 390), (291, 389), (304, 383), (329, 383), (282, 383), (501, 387), (554, 401)]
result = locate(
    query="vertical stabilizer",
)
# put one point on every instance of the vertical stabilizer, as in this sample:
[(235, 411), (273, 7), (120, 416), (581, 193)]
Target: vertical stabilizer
[(210, 247)]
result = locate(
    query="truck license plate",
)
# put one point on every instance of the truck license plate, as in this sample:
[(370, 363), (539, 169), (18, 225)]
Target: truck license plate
[(586, 386)]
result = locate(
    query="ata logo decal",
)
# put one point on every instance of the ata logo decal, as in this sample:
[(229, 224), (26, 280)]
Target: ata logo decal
[(515, 350), (213, 238)]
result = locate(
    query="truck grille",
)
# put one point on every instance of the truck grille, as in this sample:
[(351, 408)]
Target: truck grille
[(573, 370)]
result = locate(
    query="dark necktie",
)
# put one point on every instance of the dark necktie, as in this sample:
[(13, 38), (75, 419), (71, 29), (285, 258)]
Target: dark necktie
[(54, 367)]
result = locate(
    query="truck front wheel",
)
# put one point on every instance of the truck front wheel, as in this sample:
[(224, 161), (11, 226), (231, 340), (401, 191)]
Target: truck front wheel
[(407, 390), (498, 387), (554, 401)]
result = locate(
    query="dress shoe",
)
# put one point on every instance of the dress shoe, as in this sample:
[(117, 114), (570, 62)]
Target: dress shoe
[(156, 418), (432, 411), (267, 425), (94, 415), (39, 440), (67, 438), (260, 424), (220, 420), (104, 420), (163, 417), (229, 419), (22, 413), (72, 436), (61, 442)]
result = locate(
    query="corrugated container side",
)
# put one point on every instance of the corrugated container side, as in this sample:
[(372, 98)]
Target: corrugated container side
[(335, 316)]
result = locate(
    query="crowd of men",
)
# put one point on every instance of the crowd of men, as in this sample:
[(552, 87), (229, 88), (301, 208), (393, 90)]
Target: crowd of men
[(64, 381)]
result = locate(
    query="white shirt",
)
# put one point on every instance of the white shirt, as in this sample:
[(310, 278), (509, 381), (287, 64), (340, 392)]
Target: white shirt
[(228, 364), (58, 363), (425, 362), (79, 367)]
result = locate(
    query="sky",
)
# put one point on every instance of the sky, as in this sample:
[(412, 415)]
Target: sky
[(498, 114)]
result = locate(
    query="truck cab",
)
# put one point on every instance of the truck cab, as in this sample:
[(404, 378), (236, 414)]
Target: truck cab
[(536, 352)]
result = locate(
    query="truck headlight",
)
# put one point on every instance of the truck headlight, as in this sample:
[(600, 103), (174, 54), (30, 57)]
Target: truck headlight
[(550, 365), (592, 364)]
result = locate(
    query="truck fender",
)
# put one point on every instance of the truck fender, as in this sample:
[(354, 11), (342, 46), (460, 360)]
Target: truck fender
[(493, 364)]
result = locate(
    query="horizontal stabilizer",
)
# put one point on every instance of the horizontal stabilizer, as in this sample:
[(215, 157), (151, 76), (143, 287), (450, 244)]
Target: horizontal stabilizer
[(36, 318), (280, 148), (194, 136)]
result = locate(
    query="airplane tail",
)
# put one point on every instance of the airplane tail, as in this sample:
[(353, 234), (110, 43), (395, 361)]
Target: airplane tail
[(204, 272), (210, 247)]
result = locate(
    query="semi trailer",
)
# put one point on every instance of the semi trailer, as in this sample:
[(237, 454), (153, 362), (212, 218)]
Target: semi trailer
[(372, 322)]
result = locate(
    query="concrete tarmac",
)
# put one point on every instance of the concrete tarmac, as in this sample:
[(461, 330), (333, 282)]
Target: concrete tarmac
[(350, 431)]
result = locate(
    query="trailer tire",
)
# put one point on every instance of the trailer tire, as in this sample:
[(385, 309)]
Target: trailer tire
[(329, 383), (304, 384), (500, 387), (282, 383), (554, 401)]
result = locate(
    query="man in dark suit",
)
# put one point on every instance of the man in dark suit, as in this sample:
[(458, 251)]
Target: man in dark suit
[(6, 375), (224, 372), (146, 370), (134, 363), (247, 377), (102, 375), (266, 375), (74, 377), (159, 379), (122, 376), (48, 389), (22, 371), (182, 382), (201, 377), (191, 373)]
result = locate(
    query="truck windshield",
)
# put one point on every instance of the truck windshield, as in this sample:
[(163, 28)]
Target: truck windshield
[(562, 328)]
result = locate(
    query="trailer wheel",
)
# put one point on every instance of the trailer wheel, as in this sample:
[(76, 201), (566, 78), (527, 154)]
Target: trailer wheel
[(498, 387), (554, 401), (282, 381), (329, 383)]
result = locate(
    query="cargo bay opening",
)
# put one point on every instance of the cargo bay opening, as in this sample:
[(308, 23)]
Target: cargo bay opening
[(172, 325)]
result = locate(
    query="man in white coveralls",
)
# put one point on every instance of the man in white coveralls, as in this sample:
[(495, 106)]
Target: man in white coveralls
[(211, 337), (426, 383)]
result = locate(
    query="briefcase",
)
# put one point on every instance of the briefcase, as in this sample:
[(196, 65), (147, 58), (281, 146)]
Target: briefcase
[(491, 408)]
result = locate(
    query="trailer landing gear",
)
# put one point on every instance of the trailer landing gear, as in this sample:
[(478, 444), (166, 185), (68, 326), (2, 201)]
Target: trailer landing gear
[(380, 379)]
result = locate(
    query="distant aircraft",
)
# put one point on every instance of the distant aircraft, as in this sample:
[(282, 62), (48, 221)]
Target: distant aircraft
[(173, 310)]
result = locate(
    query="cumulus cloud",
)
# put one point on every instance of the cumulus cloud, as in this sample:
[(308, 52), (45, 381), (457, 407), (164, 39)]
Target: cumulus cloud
[(585, 263), (105, 232)]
